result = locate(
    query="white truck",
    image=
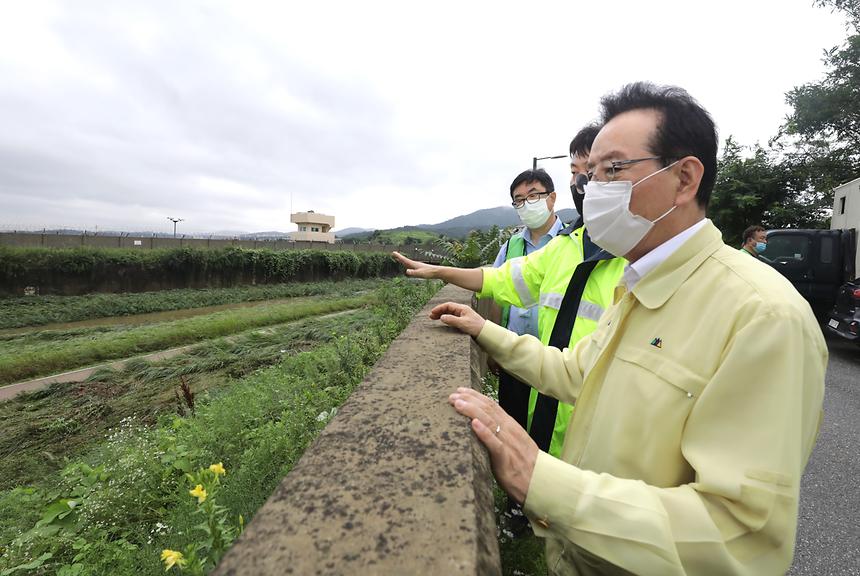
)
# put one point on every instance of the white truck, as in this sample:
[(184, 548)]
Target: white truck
[(844, 319), (846, 213)]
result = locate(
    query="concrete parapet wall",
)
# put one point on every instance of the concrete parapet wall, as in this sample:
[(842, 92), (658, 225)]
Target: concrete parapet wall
[(395, 484)]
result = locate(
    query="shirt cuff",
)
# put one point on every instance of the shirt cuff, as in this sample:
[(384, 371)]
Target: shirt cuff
[(495, 340), (486, 290), (553, 494)]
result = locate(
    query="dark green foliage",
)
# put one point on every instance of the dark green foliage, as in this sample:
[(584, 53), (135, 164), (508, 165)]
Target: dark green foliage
[(830, 109), (85, 270), (763, 189), (478, 249), (824, 127)]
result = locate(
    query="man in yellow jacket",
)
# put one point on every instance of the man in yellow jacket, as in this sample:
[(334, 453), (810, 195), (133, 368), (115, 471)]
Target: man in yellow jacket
[(699, 396)]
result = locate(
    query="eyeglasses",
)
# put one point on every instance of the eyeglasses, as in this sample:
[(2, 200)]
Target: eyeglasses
[(610, 173), (531, 199)]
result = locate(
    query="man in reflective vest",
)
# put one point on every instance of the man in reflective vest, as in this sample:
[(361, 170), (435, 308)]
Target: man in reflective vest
[(570, 279), (533, 196)]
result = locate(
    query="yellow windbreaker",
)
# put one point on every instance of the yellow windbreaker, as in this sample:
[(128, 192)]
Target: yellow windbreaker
[(698, 401)]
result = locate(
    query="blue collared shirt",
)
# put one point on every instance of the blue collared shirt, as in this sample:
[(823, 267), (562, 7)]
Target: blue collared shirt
[(525, 320)]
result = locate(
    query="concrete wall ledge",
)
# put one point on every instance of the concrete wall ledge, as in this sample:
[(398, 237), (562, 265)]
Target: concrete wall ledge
[(395, 484)]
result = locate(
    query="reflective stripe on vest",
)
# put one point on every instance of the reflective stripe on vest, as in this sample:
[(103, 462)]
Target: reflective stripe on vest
[(587, 310), (551, 300), (520, 284), (516, 248)]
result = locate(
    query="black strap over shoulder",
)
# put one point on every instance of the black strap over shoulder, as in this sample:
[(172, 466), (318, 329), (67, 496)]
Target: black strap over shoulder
[(571, 228), (546, 408)]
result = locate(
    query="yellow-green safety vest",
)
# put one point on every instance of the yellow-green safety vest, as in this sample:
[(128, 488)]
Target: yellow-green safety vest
[(516, 248), (541, 279)]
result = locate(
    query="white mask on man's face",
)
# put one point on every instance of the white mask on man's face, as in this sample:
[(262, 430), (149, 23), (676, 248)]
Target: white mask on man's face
[(608, 219), (534, 215)]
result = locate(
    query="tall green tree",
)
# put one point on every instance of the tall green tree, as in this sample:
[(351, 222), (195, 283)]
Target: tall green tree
[(829, 111), (747, 190), (790, 183), (851, 8), (820, 139)]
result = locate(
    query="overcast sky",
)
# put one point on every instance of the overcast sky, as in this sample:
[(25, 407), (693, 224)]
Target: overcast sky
[(117, 115)]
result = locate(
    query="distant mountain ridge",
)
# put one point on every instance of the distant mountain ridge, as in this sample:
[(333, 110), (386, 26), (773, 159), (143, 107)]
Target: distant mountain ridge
[(457, 227), (350, 231), (484, 219)]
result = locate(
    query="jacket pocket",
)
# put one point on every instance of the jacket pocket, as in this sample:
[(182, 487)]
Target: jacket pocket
[(665, 369), (640, 416)]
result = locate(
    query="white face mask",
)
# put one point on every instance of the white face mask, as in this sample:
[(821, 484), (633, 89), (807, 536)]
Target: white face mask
[(534, 215), (608, 219)]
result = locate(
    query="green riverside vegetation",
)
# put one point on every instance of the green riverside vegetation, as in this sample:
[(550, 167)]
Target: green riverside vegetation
[(117, 505), (40, 310), (44, 353)]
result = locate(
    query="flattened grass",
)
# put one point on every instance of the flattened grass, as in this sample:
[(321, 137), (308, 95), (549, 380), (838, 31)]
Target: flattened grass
[(31, 355), (41, 310), (44, 428)]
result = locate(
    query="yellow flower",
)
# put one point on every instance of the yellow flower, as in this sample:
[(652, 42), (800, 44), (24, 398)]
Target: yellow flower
[(218, 469), (199, 493), (171, 558)]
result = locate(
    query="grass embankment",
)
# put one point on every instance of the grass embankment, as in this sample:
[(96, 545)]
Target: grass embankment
[(41, 310), (44, 353), (129, 493)]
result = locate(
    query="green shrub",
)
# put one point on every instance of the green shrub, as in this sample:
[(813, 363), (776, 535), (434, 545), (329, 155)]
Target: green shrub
[(83, 270)]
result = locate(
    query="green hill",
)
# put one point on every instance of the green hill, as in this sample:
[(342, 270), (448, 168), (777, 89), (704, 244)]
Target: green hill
[(395, 236), (459, 227)]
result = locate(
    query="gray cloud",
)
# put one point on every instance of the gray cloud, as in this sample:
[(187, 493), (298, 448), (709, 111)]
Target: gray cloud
[(172, 121), (120, 115)]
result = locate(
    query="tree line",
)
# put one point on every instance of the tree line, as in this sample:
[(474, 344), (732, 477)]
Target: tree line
[(789, 182)]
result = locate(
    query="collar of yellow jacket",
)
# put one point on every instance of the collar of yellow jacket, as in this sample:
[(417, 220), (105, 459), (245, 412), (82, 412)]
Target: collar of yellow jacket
[(656, 287)]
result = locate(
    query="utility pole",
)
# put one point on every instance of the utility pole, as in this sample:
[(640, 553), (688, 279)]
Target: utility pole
[(174, 220), (535, 159)]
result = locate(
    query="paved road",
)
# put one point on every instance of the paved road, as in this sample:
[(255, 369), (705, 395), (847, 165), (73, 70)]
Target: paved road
[(828, 536)]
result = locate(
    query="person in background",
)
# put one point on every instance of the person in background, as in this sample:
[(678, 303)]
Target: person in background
[(533, 196), (755, 241)]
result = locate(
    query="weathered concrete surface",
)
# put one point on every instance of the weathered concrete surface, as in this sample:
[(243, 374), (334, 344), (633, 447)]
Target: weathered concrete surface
[(395, 484)]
